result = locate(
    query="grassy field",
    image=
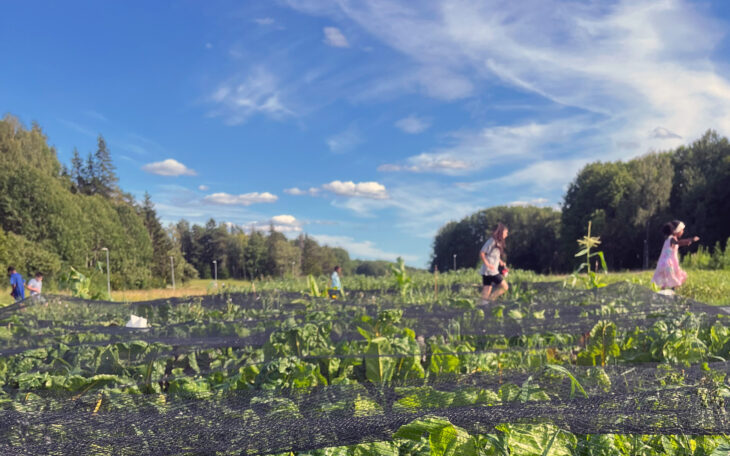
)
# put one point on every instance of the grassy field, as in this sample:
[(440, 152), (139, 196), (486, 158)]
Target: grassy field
[(711, 287)]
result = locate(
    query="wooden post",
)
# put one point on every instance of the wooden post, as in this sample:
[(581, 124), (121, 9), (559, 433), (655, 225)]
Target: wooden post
[(435, 282)]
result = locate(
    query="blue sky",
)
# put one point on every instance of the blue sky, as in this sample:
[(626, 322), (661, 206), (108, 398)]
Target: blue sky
[(367, 124)]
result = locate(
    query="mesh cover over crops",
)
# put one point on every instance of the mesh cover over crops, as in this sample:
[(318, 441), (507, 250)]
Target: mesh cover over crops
[(255, 374)]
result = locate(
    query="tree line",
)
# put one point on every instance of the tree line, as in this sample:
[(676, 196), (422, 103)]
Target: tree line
[(53, 216), (232, 252), (627, 203)]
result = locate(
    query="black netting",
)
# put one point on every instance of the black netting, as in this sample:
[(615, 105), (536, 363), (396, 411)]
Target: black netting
[(625, 399), (281, 371)]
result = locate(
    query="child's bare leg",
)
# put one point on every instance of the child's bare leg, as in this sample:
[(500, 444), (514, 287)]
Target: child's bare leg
[(486, 291), (500, 290)]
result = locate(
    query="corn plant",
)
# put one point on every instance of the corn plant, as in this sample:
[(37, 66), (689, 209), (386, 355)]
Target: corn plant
[(402, 282), (588, 243)]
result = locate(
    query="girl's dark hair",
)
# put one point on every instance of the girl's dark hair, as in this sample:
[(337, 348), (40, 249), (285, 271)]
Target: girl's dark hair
[(498, 236), (669, 227)]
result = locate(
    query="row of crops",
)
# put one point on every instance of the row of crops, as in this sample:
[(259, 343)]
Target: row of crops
[(550, 370)]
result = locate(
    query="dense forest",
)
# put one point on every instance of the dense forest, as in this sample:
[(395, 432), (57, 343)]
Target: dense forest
[(627, 203), (54, 216)]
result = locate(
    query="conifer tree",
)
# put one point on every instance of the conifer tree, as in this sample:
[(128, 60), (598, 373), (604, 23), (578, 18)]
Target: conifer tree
[(77, 170), (161, 244), (105, 176)]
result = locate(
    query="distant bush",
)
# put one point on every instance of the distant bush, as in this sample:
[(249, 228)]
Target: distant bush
[(373, 268), (703, 259)]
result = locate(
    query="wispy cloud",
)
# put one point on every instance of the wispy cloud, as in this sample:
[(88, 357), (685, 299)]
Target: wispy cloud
[(663, 133), (168, 167), (344, 141), (542, 175), (413, 124), (203, 188), (361, 249), (245, 199), (256, 93), (96, 115), (638, 66), (264, 20), (425, 163), (472, 151), (334, 37), (84, 130)]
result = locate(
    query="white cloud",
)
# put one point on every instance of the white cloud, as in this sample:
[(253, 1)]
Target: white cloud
[(345, 140), (413, 124), (373, 190), (532, 202), (282, 223), (245, 199), (168, 167), (264, 20), (285, 219), (334, 37), (361, 249), (203, 188), (296, 191), (256, 93), (209, 45)]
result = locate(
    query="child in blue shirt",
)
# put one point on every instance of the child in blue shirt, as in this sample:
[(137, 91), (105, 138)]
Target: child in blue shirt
[(17, 284)]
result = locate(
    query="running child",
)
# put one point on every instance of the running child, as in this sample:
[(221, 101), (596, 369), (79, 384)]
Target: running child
[(493, 267), (668, 274)]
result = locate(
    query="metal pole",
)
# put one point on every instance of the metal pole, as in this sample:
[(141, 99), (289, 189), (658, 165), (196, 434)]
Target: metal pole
[(454, 262), (215, 269), (108, 281), (172, 270)]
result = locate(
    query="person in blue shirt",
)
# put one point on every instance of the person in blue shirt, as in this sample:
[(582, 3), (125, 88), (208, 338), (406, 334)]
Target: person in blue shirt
[(17, 284)]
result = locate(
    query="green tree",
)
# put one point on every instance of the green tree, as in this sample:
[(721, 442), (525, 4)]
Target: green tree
[(601, 193), (255, 254), (162, 246), (532, 242), (281, 255), (105, 178), (649, 197), (700, 192)]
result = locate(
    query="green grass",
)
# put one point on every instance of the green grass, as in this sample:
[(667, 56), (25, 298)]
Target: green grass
[(711, 287)]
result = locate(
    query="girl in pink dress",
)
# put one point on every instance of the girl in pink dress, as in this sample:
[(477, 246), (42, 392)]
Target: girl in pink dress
[(668, 273)]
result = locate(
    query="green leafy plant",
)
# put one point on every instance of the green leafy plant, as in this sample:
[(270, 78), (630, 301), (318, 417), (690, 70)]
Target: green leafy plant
[(444, 438), (602, 344), (81, 285)]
